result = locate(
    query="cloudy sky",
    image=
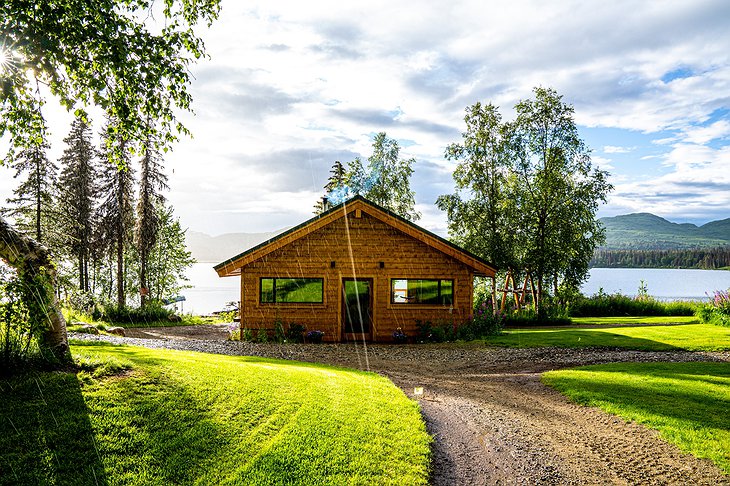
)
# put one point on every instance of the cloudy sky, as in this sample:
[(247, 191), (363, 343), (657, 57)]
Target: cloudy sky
[(293, 86)]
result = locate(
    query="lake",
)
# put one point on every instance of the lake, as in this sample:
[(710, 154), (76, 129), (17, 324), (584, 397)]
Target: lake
[(661, 283), (210, 293)]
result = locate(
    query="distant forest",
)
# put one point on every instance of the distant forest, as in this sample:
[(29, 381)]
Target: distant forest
[(705, 258)]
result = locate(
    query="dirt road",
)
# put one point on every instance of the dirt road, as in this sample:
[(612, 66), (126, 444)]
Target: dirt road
[(492, 419)]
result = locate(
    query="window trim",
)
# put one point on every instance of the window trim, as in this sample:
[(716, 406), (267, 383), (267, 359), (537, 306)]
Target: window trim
[(275, 302), (425, 304)]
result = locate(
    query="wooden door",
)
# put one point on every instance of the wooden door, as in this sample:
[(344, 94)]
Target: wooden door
[(357, 308)]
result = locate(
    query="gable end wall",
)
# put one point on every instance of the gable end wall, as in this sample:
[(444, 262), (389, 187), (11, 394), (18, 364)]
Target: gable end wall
[(357, 250)]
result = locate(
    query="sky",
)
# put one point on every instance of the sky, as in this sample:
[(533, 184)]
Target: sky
[(292, 86)]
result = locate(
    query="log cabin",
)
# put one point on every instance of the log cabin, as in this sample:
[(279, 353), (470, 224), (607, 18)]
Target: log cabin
[(357, 272)]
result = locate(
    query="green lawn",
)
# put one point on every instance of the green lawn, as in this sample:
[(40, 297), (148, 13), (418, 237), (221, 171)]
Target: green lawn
[(143, 416), (687, 403), (608, 321), (692, 337)]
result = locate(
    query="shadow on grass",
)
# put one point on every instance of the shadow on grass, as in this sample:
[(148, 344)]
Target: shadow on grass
[(155, 430), (46, 436), (159, 426), (575, 338), (64, 428), (655, 390)]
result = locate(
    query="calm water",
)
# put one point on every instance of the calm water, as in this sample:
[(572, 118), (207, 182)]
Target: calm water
[(663, 284), (211, 293)]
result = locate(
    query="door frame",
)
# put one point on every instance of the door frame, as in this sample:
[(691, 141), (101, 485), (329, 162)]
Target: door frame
[(356, 336)]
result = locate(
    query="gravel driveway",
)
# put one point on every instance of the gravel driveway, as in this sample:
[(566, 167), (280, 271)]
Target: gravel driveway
[(492, 419)]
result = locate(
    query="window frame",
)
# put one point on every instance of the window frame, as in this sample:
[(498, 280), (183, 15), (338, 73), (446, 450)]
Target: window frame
[(439, 296), (275, 301)]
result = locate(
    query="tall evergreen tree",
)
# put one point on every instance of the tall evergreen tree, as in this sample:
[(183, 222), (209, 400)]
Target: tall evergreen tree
[(116, 212), (78, 188), (32, 206), (152, 180), (338, 175), (78, 63)]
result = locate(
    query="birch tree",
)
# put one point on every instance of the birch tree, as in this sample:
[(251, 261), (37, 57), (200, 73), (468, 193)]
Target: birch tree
[(78, 50)]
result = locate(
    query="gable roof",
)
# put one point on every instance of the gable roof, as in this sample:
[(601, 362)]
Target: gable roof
[(232, 266)]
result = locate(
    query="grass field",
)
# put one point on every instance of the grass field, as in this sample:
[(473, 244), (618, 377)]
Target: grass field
[(75, 321), (687, 403), (691, 337), (613, 321), (143, 416)]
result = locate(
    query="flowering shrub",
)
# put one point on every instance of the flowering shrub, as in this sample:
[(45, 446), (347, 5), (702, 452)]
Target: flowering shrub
[(718, 310), (234, 332), (485, 321), (399, 336), (315, 336)]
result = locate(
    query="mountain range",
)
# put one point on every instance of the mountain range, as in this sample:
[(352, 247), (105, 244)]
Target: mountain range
[(639, 231), (646, 231), (216, 249)]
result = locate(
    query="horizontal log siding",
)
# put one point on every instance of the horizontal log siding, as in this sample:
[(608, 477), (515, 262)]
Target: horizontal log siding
[(370, 242)]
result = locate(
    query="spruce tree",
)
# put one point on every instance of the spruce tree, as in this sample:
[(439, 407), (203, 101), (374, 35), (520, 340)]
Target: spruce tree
[(115, 214), (77, 188), (152, 180), (32, 206)]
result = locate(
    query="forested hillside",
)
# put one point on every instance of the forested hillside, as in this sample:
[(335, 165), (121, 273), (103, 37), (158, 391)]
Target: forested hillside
[(643, 240), (644, 231), (707, 258)]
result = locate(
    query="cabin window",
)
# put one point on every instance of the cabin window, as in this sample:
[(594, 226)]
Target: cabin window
[(292, 290), (422, 291)]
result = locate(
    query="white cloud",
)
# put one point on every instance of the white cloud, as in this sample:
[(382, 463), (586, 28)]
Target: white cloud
[(612, 149), (697, 185), (700, 135), (291, 85), (602, 162)]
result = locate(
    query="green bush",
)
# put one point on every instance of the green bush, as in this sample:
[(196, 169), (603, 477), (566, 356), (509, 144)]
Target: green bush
[(23, 321), (152, 312), (234, 332), (479, 326), (262, 336), (81, 302), (618, 305), (717, 312), (295, 333), (227, 316), (247, 335), (279, 334), (528, 318)]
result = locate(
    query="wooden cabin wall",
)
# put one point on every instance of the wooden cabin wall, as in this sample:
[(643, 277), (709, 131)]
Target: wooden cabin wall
[(357, 250)]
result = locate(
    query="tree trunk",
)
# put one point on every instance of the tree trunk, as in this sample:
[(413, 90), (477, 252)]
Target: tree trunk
[(120, 274), (38, 204), (144, 290), (26, 255), (82, 286)]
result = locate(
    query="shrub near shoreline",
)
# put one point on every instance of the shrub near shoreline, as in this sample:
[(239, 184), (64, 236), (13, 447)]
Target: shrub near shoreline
[(618, 305), (717, 311)]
